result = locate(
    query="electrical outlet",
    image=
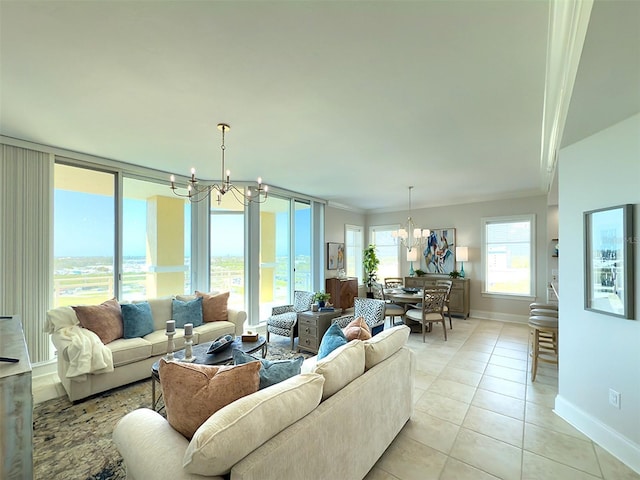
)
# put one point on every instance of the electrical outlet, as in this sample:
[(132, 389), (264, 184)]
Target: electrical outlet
[(614, 398)]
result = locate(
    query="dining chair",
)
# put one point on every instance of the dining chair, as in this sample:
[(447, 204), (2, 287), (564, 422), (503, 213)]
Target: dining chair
[(447, 309), (432, 310), (371, 309), (393, 282), (391, 310)]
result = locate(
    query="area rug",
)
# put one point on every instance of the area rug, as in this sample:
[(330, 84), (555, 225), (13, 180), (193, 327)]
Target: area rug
[(73, 442)]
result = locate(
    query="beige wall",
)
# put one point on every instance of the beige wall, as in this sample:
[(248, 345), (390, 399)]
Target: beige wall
[(467, 220)]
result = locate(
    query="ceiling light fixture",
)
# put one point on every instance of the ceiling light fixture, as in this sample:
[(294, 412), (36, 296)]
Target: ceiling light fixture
[(196, 193), (411, 237)]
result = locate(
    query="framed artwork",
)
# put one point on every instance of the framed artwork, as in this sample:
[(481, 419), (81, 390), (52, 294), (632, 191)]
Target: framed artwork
[(440, 252), (609, 261), (335, 256)]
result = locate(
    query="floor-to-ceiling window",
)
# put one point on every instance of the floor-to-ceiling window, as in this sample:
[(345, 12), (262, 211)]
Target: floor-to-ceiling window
[(226, 249), (156, 241), (84, 236), (275, 254), (302, 245)]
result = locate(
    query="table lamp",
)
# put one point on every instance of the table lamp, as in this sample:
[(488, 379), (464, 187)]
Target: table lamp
[(462, 255), (412, 256)]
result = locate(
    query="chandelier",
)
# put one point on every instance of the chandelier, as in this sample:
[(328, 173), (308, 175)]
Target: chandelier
[(196, 193), (410, 237)]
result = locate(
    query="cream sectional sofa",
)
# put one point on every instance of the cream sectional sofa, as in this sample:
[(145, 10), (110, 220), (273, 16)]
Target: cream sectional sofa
[(131, 358), (333, 421)]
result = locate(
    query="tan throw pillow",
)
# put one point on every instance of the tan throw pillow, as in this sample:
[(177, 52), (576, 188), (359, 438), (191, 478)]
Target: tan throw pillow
[(236, 430), (214, 307), (105, 320), (192, 393), (357, 330)]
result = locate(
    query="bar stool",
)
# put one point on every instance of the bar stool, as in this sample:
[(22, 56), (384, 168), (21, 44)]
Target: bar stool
[(544, 341)]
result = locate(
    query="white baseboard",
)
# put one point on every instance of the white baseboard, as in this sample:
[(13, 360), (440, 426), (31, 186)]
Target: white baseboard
[(617, 445), (44, 368), (503, 317)]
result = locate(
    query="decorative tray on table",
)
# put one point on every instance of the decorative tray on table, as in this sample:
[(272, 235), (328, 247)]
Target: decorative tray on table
[(410, 290)]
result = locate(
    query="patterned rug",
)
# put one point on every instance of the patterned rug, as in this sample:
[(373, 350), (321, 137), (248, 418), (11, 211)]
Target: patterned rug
[(74, 441)]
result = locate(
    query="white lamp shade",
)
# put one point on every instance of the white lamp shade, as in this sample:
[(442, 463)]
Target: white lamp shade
[(462, 254), (412, 255)]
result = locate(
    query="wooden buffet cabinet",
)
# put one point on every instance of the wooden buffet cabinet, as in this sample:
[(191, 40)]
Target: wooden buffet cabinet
[(459, 298), (342, 290)]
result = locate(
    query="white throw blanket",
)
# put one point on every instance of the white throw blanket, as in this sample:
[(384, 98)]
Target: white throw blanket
[(86, 352)]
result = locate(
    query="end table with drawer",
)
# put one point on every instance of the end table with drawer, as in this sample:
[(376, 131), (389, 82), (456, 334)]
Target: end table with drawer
[(311, 328)]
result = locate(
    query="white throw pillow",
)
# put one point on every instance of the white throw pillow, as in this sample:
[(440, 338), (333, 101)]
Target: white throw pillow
[(236, 430), (383, 345), (341, 366)]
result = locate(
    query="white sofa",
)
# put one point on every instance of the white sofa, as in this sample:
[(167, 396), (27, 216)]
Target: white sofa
[(351, 405), (131, 358)]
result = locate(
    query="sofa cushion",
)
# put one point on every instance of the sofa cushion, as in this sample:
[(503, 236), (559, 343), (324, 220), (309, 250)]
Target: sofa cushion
[(161, 310), (271, 372), (343, 365), (332, 339), (192, 393), (208, 332), (385, 344), (105, 320), (236, 430), (187, 312), (130, 350), (214, 306), (136, 319), (357, 330)]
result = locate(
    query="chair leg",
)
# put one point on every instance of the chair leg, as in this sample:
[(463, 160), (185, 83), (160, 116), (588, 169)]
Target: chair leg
[(450, 324), (267, 334), (534, 355), (424, 331), (292, 339), (444, 327)]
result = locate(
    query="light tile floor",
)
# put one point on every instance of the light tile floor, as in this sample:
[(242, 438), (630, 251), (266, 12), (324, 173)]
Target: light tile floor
[(478, 416)]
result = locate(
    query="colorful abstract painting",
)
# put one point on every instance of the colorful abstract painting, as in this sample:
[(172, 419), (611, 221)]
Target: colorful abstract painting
[(439, 254)]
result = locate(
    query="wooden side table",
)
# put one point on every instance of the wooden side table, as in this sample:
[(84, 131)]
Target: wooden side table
[(311, 328)]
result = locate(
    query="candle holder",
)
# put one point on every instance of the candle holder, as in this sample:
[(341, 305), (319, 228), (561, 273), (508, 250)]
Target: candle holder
[(170, 345), (188, 351)]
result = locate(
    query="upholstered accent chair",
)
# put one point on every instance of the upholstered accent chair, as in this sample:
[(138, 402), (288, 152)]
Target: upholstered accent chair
[(284, 319), (371, 309)]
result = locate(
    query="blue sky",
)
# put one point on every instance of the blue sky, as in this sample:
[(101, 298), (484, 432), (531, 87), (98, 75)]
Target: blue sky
[(84, 226)]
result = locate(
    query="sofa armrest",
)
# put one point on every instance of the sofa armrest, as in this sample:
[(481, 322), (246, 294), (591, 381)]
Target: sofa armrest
[(151, 448), (279, 310), (237, 317)]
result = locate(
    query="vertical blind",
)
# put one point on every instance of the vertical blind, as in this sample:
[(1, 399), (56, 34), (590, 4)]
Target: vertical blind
[(25, 242)]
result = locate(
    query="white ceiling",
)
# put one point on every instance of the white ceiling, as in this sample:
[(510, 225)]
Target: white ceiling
[(347, 101)]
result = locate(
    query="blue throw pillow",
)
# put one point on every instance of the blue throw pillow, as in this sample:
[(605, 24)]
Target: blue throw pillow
[(270, 372), (333, 338), (137, 319), (187, 312)]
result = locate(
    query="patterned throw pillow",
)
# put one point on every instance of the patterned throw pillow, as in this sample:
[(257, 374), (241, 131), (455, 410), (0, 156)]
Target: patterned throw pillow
[(271, 372), (137, 319), (214, 306), (332, 339), (104, 320), (357, 329), (192, 392), (187, 312)]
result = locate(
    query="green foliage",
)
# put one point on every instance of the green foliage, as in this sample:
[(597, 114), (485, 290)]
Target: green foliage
[(321, 296), (454, 274), (370, 262), (420, 273)]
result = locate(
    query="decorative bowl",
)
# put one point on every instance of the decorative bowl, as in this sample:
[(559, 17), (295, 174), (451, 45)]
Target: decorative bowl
[(411, 290), (220, 343)]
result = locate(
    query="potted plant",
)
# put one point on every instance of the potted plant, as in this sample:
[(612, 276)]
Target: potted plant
[(321, 298), (370, 262), (420, 273), (454, 274)]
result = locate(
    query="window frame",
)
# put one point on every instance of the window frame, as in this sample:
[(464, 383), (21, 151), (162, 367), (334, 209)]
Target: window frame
[(358, 230), (531, 218), (384, 228)]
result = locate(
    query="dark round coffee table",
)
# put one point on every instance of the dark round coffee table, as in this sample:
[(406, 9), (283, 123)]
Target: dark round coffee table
[(222, 357)]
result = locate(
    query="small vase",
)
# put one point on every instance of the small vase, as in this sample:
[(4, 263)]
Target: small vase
[(321, 303)]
